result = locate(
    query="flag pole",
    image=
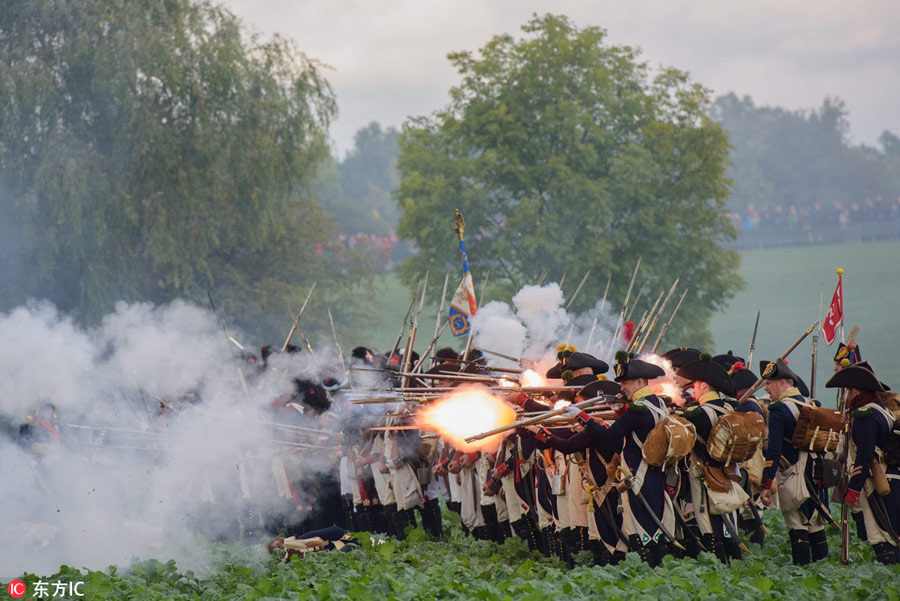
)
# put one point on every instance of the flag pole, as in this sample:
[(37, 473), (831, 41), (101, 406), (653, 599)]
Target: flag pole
[(840, 273)]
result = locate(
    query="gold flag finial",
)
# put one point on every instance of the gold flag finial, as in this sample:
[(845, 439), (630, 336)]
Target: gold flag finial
[(460, 224)]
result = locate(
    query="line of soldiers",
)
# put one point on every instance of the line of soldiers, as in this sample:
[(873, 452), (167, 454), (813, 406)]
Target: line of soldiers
[(587, 485)]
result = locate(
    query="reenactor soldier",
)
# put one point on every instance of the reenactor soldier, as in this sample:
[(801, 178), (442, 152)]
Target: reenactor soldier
[(711, 480), (648, 516), (792, 467), (874, 485), (752, 469), (679, 357)]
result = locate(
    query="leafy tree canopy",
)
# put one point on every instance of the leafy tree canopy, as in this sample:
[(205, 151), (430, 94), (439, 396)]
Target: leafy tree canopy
[(357, 190), (564, 154), (152, 150)]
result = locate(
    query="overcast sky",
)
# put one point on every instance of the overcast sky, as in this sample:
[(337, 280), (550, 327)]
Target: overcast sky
[(389, 56)]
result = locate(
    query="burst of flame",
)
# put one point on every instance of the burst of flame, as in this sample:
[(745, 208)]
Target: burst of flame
[(665, 385), (467, 412), (506, 383), (532, 378), (561, 403)]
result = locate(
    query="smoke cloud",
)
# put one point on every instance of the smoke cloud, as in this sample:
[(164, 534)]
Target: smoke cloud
[(536, 322), (162, 434)]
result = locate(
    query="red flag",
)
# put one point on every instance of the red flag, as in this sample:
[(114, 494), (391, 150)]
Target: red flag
[(835, 315)]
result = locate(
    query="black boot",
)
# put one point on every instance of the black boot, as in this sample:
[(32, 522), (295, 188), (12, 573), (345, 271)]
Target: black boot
[(491, 525), (431, 518), (885, 553), (719, 545), (527, 532), (600, 553), (616, 557), (634, 544), (733, 549), (753, 528), (800, 550), (504, 531), (565, 539), (818, 545), (709, 542), (390, 518), (533, 533)]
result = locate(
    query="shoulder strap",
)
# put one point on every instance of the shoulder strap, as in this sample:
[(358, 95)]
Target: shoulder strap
[(887, 414)]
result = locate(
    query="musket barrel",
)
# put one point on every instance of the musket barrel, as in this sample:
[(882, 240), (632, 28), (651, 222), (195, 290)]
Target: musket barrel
[(537, 419), (756, 386)]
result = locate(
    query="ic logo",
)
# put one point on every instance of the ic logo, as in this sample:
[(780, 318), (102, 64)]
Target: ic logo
[(16, 589)]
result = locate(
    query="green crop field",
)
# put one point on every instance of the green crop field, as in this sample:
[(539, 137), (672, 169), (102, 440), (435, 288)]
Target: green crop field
[(460, 567), (783, 284)]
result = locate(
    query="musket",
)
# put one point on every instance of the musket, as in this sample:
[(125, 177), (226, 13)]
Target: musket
[(638, 330), (759, 381), (442, 391), (591, 335), (412, 304), (518, 360), (654, 316), (733, 531), (665, 327), (577, 290), (602, 304), (336, 343), (540, 281), (658, 315), (621, 321), (428, 351), (229, 339), (606, 290), (411, 337), (753, 342), (656, 520), (437, 323), (562, 280), (290, 335), (637, 299), (539, 418)]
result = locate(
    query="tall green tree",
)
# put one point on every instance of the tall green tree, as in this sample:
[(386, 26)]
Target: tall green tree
[(564, 154), (153, 150), (357, 191)]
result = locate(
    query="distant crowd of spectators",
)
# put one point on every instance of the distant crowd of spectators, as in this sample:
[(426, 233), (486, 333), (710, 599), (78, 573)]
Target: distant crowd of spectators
[(833, 217)]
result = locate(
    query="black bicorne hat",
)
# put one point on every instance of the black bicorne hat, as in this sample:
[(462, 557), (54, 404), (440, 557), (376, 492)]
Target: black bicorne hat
[(581, 381), (555, 372), (598, 387), (859, 376), (781, 370), (632, 369), (681, 356), (446, 354), (578, 361), (707, 370), (742, 377), (728, 359)]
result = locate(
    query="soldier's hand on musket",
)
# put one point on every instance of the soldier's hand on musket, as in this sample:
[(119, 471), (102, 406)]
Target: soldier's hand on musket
[(766, 497), (468, 460)]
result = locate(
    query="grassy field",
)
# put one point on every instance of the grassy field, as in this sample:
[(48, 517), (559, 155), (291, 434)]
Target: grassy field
[(784, 284)]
